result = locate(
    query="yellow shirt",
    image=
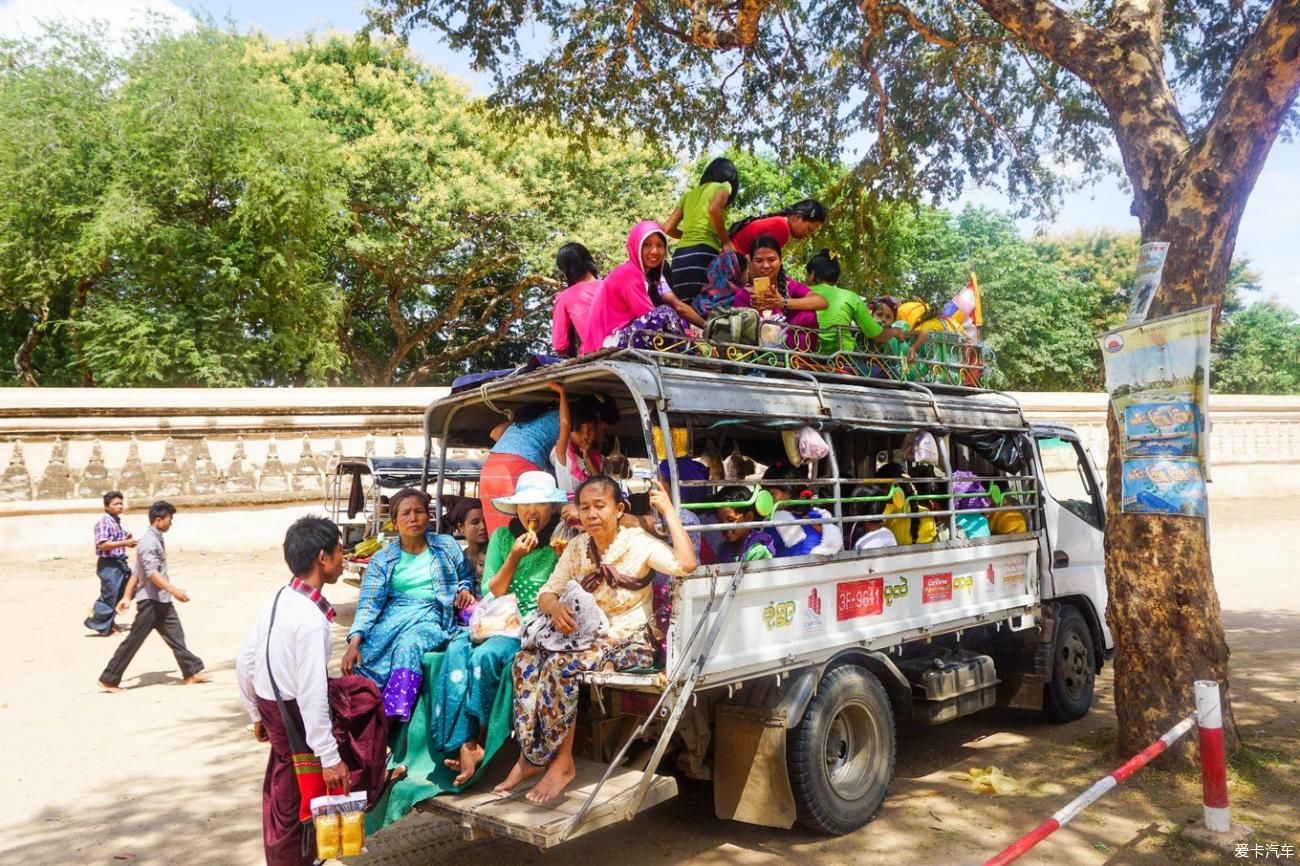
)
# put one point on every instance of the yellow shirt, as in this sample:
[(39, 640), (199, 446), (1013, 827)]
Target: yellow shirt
[(634, 553), (902, 526)]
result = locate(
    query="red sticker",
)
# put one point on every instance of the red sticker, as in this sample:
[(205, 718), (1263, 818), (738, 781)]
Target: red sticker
[(859, 598), (936, 587)]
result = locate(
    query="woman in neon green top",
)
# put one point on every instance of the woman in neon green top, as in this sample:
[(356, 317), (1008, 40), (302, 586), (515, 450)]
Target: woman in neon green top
[(519, 561), (844, 309), (699, 223)]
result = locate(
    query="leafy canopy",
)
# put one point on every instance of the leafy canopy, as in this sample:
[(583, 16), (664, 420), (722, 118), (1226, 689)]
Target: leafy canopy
[(926, 97)]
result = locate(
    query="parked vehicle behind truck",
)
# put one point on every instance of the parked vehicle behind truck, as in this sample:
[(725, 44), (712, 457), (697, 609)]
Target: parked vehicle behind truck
[(803, 668)]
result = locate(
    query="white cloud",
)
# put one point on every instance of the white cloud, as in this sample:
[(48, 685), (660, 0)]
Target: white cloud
[(23, 17)]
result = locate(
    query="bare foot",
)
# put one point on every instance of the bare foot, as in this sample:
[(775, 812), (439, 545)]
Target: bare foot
[(519, 772), (557, 778), (196, 679), (470, 755), (112, 690)]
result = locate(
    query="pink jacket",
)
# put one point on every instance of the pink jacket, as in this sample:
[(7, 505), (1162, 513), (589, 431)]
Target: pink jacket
[(623, 296), (571, 308)]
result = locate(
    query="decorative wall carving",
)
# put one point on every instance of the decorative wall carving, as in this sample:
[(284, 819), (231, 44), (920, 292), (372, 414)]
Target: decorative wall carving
[(223, 447)]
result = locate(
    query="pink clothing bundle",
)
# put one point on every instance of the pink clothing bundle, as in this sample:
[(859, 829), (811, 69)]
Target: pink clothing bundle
[(623, 295)]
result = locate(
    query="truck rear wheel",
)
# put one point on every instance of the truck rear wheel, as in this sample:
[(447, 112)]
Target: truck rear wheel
[(841, 756), (1074, 668)]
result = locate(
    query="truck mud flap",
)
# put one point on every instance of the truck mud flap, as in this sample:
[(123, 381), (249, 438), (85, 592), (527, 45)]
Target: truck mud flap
[(750, 780)]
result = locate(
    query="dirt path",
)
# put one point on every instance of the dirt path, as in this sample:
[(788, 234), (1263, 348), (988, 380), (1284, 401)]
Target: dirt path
[(166, 774)]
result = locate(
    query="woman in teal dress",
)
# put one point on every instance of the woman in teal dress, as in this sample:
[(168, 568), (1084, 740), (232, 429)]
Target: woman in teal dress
[(519, 560), (410, 597)]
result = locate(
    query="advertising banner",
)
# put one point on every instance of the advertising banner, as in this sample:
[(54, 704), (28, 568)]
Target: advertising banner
[(1150, 266), (1158, 376)]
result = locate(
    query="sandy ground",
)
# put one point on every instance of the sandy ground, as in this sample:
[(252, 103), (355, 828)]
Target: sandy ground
[(167, 774)]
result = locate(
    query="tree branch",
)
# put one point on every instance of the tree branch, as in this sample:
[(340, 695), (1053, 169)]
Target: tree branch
[(515, 296), (1261, 89), (1057, 35)]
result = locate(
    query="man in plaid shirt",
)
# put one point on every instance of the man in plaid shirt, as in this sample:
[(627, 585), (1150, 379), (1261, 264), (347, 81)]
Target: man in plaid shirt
[(111, 542)]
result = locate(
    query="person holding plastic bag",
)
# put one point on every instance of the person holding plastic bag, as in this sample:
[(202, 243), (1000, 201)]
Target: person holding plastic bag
[(611, 565), (520, 559)]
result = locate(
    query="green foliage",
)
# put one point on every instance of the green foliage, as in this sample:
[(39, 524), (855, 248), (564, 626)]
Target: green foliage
[(1257, 351), (932, 101), (53, 122), (453, 215), (221, 195), (213, 209)]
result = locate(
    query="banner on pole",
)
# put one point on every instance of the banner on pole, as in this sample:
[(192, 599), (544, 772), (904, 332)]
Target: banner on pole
[(1158, 376)]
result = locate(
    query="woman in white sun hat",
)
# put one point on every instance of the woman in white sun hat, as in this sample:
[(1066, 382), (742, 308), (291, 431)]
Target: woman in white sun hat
[(519, 561)]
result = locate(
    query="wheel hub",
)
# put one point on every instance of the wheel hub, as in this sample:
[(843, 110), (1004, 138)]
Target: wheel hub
[(1073, 665), (851, 751)]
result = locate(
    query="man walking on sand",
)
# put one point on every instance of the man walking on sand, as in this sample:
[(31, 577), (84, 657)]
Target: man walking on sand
[(111, 543), (283, 679), (154, 593)]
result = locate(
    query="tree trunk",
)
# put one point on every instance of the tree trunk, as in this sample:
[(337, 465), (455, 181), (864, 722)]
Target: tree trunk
[(23, 357), (1164, 609), (1165, 616)]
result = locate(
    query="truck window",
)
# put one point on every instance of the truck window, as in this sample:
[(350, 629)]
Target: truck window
[(1068, 479)]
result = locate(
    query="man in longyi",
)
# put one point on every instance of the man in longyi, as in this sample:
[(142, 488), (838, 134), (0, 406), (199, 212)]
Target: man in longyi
[(284, 683)]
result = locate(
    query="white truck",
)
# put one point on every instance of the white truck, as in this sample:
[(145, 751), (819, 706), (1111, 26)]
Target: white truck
[(803, 667)]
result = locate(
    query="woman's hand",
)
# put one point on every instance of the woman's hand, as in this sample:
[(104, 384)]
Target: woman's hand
[(464, 599), (557, 387), (351, 657), (659, 499), (569, 514), (524, 545), (561, 617)]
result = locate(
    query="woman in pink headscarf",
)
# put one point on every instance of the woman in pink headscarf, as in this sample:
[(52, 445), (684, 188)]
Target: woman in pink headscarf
[(635, 296)]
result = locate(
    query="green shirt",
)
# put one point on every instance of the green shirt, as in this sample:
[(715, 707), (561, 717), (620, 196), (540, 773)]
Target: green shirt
[(696, 227), (412, 575), (531, 574), (845, 309)]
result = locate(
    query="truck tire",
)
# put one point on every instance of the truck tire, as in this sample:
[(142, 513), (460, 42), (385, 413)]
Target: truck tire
[(840, 758), (1074, 668)]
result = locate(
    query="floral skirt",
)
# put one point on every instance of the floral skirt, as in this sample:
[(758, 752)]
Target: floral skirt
[(662, 319), (547, 689)]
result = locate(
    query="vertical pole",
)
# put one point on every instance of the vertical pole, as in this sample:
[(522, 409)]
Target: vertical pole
[(1214, 767)]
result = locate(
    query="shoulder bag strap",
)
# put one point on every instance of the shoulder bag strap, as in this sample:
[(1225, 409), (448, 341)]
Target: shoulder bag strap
[(297, 740)]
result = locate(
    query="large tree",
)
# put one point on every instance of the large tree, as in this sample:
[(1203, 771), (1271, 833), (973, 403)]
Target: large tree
[(1191, 95), (161, 214)]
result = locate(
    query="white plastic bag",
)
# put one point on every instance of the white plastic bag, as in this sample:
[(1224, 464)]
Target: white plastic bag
[(495, 616), (812, 447)]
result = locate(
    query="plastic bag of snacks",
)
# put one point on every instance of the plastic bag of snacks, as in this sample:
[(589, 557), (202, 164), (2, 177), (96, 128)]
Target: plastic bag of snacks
[(339, 821), (495, 616)]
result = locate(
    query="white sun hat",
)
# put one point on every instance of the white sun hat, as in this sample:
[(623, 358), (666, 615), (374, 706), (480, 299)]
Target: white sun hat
[(533, 488)]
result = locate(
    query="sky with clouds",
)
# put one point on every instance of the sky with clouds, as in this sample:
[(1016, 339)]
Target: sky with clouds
[(1269, 234)]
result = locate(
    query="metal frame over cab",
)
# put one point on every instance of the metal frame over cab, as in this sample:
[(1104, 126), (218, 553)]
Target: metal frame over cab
[(803, 665)]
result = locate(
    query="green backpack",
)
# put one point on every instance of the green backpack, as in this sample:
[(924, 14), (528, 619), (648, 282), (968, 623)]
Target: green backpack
[(733, 325)]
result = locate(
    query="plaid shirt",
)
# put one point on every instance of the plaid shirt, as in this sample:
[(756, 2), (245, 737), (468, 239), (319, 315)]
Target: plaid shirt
[(109, 528)]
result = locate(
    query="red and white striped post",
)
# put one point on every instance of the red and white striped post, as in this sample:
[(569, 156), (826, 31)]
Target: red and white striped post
[(1214, 764), (1068, 812)]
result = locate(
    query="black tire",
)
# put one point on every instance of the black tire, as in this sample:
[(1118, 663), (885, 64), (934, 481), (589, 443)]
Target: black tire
[(841, 755), (1074, 668)]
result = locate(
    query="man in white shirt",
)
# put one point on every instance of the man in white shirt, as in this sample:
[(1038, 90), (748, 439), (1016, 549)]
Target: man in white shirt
[(293, 635)]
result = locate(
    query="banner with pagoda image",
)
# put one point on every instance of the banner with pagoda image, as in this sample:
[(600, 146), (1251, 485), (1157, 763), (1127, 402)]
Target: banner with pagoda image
[(1158, 376)]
